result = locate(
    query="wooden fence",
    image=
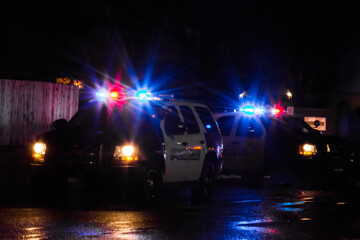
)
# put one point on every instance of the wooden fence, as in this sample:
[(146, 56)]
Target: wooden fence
[(27, 108)]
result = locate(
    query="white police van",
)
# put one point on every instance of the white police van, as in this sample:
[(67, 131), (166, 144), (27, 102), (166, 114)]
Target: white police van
[(155, 140)]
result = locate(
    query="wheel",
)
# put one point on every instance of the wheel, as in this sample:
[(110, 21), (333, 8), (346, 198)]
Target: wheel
[(205, 186), (153, 183)]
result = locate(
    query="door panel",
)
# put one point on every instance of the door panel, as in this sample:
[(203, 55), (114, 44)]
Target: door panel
[(184, 152), (244, 147)]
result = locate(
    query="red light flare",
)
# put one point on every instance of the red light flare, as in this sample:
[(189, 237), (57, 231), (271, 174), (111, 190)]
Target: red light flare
[(117, 95), (279, 110)]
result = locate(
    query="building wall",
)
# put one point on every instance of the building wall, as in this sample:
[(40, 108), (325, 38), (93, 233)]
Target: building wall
[(340, 120), (331, 119), (27, 108)]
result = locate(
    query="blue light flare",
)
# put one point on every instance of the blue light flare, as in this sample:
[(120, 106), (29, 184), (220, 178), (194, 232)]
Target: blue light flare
[(143, 95), (251, 110), (248, 110), (101, 95), (259, 110)]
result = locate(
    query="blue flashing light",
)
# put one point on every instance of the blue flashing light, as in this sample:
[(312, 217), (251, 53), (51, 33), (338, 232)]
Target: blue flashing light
[(101, 95), (143, 95), (251, 110), (208, 126), (259, 110), (248, 110)]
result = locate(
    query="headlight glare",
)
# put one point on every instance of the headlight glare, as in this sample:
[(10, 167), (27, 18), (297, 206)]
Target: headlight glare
[(126, 152), (307, 149), (39, 150)]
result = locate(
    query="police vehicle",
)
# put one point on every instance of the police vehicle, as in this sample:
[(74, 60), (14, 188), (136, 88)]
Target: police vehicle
[(244, 142), (310, 156), (155, 140), (262, 142)]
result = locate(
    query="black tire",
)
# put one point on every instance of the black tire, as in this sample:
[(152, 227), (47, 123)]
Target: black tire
[(205, 186), (153, 183)]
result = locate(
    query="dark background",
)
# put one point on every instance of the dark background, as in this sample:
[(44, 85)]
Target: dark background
[(205, 50)]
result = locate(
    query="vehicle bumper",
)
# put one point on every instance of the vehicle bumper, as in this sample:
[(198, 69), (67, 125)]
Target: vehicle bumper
[(321, 171), (73, 172), (321, 166)]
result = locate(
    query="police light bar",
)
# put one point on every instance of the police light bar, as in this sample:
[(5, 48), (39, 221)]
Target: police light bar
[(144, 95), (105, 95), (118, 95), (251, 110)]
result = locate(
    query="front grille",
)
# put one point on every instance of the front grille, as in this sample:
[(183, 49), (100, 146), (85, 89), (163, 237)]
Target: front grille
[(72, 155), (339, 148)]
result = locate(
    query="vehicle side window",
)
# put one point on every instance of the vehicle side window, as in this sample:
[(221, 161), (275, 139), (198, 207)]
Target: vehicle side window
[(248, 127), (207, 119), (172, 119), (190, 120), (225, 124)]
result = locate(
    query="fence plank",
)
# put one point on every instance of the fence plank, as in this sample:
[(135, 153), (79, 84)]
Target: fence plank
[(27, 108)]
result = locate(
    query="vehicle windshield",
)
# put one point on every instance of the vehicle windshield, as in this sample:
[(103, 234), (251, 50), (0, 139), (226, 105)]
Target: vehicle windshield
[(299, 125), (292, 124), (128, 122)]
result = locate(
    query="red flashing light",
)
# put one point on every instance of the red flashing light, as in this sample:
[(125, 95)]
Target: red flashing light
[(277, 110), (114, 95)]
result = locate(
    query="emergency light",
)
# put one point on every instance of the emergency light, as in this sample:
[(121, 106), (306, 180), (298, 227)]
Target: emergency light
[(114, 95), (104, 95), (248, 110), (101, 95), (259, 110), (276, 111), (143, 95), (251, 110)]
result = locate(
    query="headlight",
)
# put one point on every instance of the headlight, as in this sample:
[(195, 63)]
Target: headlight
[(307, 149), (39, 150), (126, 153)]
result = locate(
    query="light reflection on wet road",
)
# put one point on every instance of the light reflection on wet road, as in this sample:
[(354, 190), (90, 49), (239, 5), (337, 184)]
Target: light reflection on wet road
[(234, 213)]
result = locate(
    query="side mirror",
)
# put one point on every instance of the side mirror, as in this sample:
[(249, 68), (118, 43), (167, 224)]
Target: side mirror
[(60, 124)]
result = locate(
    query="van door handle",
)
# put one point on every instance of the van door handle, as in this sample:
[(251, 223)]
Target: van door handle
[(202, 142), (184, 143)]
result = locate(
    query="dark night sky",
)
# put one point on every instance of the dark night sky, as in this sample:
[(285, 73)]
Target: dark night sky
[(225, 47)]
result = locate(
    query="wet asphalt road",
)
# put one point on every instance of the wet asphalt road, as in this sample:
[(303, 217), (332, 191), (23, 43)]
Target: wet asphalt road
[(236, 211)]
